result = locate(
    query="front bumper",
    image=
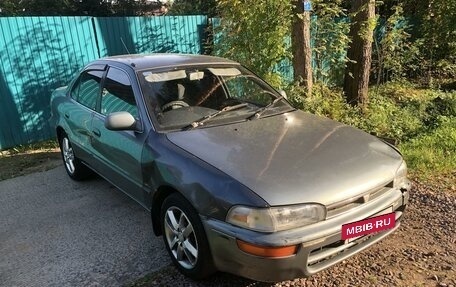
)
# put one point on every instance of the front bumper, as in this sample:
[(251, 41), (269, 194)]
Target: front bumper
[(319, 245)]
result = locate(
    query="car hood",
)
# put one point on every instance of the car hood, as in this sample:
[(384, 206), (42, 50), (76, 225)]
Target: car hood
[(295, 157)]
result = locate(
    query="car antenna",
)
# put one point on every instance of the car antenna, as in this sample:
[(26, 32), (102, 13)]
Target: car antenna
[(125, 46)]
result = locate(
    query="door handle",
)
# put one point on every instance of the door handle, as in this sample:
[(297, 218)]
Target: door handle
[(67, 115), (96, 132)]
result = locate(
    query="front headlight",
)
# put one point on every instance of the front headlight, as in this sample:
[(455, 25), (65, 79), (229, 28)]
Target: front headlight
[(401, 176), (276, 218)]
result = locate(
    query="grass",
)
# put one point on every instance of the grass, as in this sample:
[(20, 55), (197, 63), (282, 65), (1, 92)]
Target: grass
[(433, 154), (43, 146)]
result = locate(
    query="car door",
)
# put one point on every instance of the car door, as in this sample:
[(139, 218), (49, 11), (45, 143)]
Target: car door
[(118, 153), (79, 112)]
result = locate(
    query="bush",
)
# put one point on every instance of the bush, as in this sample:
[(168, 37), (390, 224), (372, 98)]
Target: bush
[(444, 104), (328, 102), (401, 110), (254, 34), (385, 118), (422, 121)]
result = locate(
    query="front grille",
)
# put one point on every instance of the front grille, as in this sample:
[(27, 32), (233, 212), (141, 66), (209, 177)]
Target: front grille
[(329, 251), (354, 202), (328, 254)]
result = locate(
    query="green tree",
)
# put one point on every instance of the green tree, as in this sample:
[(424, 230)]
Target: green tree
[(91, 8), (76, 7), (254, 33), (194, 7), (9, 7), (437, 32), (35, 7), (330, 41), (394, 52)]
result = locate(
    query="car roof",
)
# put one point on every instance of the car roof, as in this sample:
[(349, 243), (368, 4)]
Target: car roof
[(153, 61)]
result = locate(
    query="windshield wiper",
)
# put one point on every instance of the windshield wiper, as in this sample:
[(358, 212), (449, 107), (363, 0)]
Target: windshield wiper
[(261, 110), (206, 118)]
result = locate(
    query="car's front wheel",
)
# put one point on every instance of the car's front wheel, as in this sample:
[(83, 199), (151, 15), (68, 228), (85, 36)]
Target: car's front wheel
[(73, 165), (185, 239)]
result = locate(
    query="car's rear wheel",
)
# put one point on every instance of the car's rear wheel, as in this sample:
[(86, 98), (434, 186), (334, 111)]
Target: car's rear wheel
[(73, 165), (185, 239)]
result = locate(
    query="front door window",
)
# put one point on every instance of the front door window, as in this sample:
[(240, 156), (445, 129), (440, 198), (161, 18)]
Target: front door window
[(117, 94)]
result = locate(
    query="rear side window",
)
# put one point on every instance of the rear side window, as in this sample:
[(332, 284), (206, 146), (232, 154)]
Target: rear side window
[(117, 95), (87, 88)]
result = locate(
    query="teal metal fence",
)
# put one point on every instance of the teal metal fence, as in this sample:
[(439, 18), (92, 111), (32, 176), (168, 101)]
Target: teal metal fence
[(39, 54), (130, 35)]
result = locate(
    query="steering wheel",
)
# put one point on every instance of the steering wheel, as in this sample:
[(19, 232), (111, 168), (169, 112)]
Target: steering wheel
[(173, 105)]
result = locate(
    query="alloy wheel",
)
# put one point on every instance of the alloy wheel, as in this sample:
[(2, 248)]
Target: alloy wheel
[(68, 155), (181, 237)]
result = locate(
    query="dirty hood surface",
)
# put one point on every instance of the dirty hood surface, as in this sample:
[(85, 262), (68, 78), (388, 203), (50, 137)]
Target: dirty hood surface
[(294, 157)]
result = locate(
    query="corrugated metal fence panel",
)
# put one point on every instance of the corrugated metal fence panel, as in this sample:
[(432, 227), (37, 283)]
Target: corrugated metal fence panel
[(38, 54), (178, 34)]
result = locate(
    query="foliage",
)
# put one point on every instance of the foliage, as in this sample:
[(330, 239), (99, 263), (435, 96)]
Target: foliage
[(422, 120), (254, 36), (414, 39), (435, 37), (393, 51), (383, 116), (324, 101), (397, 110), (433, 153), (402, 111), (72, 7), (9, 7), (35, 7), (330, 41), (387, 118), (194, 7)]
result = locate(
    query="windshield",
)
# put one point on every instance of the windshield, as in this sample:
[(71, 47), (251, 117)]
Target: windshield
[(180, 97)]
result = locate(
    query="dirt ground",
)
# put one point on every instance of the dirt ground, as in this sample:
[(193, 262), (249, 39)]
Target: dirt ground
[(19, 164), (421, 253)]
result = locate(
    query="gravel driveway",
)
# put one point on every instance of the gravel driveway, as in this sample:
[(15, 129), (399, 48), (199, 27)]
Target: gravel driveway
[(56, 232)]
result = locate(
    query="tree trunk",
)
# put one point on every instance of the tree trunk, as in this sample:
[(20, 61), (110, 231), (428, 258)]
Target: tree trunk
[(356, 82), (302, 53)]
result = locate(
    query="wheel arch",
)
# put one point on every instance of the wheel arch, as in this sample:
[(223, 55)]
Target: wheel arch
[(158, 198), (60, 132)]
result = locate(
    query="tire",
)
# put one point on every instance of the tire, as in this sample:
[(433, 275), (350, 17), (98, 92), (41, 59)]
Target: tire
[(185, 238), (73, 165)]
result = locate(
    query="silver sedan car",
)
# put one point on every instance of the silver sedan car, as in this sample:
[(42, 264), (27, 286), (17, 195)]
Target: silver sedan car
[(234, 177)]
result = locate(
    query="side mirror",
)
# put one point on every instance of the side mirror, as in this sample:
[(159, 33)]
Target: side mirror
[(283, 94), (120, 121)]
